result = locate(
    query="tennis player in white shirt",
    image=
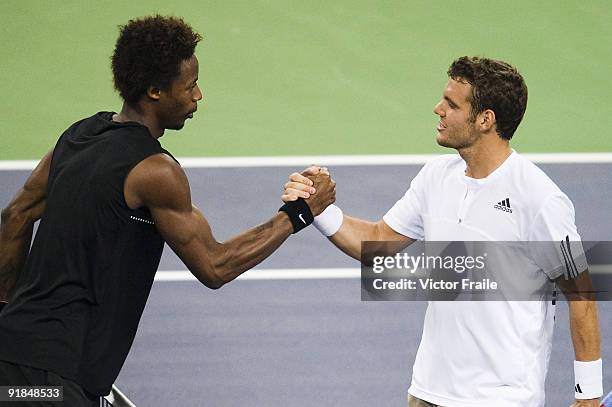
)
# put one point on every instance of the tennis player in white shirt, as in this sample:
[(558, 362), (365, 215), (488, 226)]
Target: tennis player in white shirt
[(492, 353)]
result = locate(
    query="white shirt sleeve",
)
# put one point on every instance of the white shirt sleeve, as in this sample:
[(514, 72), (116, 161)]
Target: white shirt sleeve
[(556, 245), (405, 217)]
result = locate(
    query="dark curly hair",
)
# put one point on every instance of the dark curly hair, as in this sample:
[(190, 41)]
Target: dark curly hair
[(496, 85), (149, 52)]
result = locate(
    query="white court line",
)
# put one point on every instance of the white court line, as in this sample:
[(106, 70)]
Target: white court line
[(338, 160), (308, 274), (271, 274)]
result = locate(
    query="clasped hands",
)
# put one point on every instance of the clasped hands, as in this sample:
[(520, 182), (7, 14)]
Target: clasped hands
[(314, 185)]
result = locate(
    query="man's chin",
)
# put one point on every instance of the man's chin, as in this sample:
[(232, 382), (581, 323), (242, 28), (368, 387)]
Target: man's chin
[(443, 142), (176, 126)]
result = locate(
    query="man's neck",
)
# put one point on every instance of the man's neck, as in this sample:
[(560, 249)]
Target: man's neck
[(130, 114), (484, 157)]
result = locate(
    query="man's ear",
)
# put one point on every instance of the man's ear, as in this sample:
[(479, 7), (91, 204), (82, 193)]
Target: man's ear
[(486, 120), (153, 93)]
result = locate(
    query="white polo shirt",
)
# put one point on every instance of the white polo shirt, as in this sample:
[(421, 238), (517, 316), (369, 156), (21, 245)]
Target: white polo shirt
[(485, 353)]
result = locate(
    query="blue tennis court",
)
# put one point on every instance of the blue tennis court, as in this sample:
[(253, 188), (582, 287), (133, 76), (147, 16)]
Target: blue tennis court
[(309, 342)]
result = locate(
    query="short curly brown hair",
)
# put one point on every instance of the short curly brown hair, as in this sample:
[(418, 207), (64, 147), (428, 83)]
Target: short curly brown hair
[(496, 85), (149, 52)]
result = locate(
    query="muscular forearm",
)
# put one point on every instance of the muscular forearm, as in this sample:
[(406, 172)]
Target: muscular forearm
[(214, 263), (250, 248), (584, 326)]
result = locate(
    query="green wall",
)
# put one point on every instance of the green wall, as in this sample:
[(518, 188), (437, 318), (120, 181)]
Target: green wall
[(313, 77)]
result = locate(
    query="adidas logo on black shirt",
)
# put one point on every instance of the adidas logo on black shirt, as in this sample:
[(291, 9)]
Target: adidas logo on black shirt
[(504, 205)]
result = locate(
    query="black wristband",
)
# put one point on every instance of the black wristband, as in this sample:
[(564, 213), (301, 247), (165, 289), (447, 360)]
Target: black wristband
[(299, 214), (2, 304)]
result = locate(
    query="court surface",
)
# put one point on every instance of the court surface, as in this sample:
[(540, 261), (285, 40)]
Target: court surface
[(309, 342)]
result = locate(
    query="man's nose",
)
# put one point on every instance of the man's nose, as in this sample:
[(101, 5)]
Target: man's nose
[(438, 109), (198, 94)]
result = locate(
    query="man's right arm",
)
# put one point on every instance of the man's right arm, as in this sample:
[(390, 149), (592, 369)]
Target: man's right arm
[(161, 185), (354, 231)]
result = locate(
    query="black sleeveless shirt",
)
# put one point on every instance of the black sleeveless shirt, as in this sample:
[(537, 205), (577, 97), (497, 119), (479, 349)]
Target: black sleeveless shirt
[(80, 296)]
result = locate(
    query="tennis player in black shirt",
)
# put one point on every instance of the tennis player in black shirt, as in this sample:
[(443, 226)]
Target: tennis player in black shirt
[(108, 197)]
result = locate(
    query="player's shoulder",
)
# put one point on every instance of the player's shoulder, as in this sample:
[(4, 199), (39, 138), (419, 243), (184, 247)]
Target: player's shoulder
[(157, 172), (535, 190), (158, 180), (533, 179), (160, 167)]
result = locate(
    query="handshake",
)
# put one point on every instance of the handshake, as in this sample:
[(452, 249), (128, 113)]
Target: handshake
[(314, 185), (311, 194)]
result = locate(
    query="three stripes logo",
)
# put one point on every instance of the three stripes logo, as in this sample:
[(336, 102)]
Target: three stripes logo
[(577, 389), (503, 205), (571, 271)]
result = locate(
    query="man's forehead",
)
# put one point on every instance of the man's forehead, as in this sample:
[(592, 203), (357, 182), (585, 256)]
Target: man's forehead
[(458, 89), (189, 67)]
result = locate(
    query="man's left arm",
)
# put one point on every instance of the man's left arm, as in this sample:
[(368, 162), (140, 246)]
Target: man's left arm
[(584, 327), (560, 255), (17, 225)]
